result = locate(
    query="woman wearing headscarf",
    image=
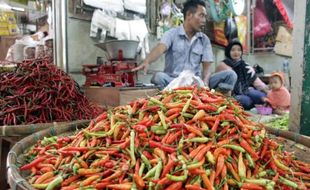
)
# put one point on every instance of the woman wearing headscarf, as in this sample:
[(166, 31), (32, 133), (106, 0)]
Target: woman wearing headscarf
[(249, 89)]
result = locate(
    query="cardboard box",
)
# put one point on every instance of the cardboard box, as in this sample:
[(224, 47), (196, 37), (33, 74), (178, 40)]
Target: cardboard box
[(4, 32), (13, 29), (114, 96), (284, 42)]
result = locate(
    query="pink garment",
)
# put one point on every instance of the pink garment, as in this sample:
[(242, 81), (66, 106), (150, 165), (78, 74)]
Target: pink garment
[(279, 99)]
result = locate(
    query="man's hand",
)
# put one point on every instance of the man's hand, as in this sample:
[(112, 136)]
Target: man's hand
[(144, 66)]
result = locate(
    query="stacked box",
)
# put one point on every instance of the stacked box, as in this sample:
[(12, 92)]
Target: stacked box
[(8, 25)]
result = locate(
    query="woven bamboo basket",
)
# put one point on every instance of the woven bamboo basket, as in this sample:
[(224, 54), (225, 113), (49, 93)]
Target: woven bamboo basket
[(25, 130), (17, 182), (15, 179)]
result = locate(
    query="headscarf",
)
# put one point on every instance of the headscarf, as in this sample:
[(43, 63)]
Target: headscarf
[(246, 74), (280, 75)]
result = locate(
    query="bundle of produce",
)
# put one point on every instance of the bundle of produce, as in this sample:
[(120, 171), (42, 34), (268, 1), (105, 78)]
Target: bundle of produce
[(39, 92), (279, 123), (188, 138)]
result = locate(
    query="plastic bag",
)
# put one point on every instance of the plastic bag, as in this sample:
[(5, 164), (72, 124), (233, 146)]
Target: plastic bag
[(110, 5), (231, 30), (262, 25), (219, 33), (138, 6), (241, 22), (186, 78)]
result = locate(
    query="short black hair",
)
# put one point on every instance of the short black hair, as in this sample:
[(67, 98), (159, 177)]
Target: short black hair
[(192, 5)]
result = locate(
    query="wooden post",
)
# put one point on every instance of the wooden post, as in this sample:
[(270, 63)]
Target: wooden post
[(300, 70), (305, 103)]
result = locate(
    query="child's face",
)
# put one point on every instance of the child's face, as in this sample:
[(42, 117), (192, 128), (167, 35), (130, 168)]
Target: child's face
[(236, 52), (275, 83)]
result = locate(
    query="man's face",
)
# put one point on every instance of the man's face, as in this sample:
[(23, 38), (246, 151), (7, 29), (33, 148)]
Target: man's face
[(198, 19)]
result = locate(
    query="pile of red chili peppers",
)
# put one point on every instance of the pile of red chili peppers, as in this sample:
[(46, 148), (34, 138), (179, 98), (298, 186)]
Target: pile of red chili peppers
[(39, 92), (189, 138)]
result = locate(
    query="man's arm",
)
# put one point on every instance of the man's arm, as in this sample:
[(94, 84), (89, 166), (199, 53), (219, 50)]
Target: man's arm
[(206, 72), (151, 57)]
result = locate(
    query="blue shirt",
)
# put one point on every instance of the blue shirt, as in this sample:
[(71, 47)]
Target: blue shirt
[(183, 54)]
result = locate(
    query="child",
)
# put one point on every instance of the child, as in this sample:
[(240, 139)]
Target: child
[(278, 97)]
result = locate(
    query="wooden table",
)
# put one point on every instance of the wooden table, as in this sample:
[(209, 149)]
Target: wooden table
[(115, 96)]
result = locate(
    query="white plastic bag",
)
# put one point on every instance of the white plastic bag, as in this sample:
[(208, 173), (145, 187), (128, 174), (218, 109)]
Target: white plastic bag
[(186, 78), (112, 5), (138, 6)]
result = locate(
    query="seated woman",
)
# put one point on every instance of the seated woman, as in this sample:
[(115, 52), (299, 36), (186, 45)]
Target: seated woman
[(249, 89)]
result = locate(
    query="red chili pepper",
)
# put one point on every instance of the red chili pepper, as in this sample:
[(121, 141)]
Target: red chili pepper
[(33, 163), (264, 149), (168, 167), (139, 128), (249, 149), (175, 186), (154, 144), (148, 155)]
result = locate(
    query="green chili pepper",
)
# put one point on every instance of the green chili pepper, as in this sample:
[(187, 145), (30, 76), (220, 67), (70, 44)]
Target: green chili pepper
[(141, 115), (261, 181), (151, 184), (141, 169), (156, 127), (234, 147), (187, 115), (75, 168), (210, 157), (208, 172), (184, 168), (55, 183), (278, 163), (134, 186), (132, 148), (196, 180), (159, 167), (102, 134), (40, 186), (225, 123), (151, 172), (249, 158), (49, 140), (241, 167), (160, 132), (187, 104), (198, 139), (155, 101), (261, 174), (145, 161), (181, 144), (184, 91), (220, 109), (288, 182), (162, 119)]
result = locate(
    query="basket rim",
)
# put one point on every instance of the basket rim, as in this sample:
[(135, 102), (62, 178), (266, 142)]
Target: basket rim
[(14, 178), (25, 130)]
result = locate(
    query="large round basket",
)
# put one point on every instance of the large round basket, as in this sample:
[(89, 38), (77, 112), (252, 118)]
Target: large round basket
[(15, 178), (9, 135)]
